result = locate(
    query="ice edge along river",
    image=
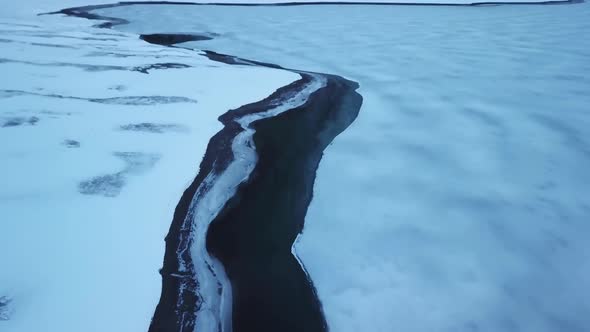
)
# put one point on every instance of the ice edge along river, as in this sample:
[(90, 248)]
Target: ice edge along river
[(211, 197)]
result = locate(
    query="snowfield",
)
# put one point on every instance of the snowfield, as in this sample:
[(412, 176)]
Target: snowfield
[(458, 200), (99, 140)]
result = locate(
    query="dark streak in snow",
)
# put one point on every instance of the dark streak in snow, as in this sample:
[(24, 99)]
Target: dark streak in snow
[(110, 185), (74, 37), (4, 313), (105, 185), (145, 69), (168, 65), (86, 67), (118, 87), (4, 310), (127, 100), (12, 24), (85, 12), (168, 39), (142, 100), (232, 60), (127, 55), (156, 128), (33, 120), (70, 143), (52, 45), (15, 122)]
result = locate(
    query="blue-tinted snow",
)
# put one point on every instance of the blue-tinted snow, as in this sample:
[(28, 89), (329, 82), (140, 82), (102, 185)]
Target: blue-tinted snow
[(458, 200), (84, 205)]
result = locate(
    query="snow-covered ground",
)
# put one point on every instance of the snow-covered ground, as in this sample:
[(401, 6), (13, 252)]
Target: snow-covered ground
[(458, 200), (97, 144)]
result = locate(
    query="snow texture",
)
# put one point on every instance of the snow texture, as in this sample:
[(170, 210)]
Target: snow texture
[(87, 190), (458, 200)]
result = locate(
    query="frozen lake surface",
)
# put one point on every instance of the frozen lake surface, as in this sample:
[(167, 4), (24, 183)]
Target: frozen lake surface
[(458, 200)]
